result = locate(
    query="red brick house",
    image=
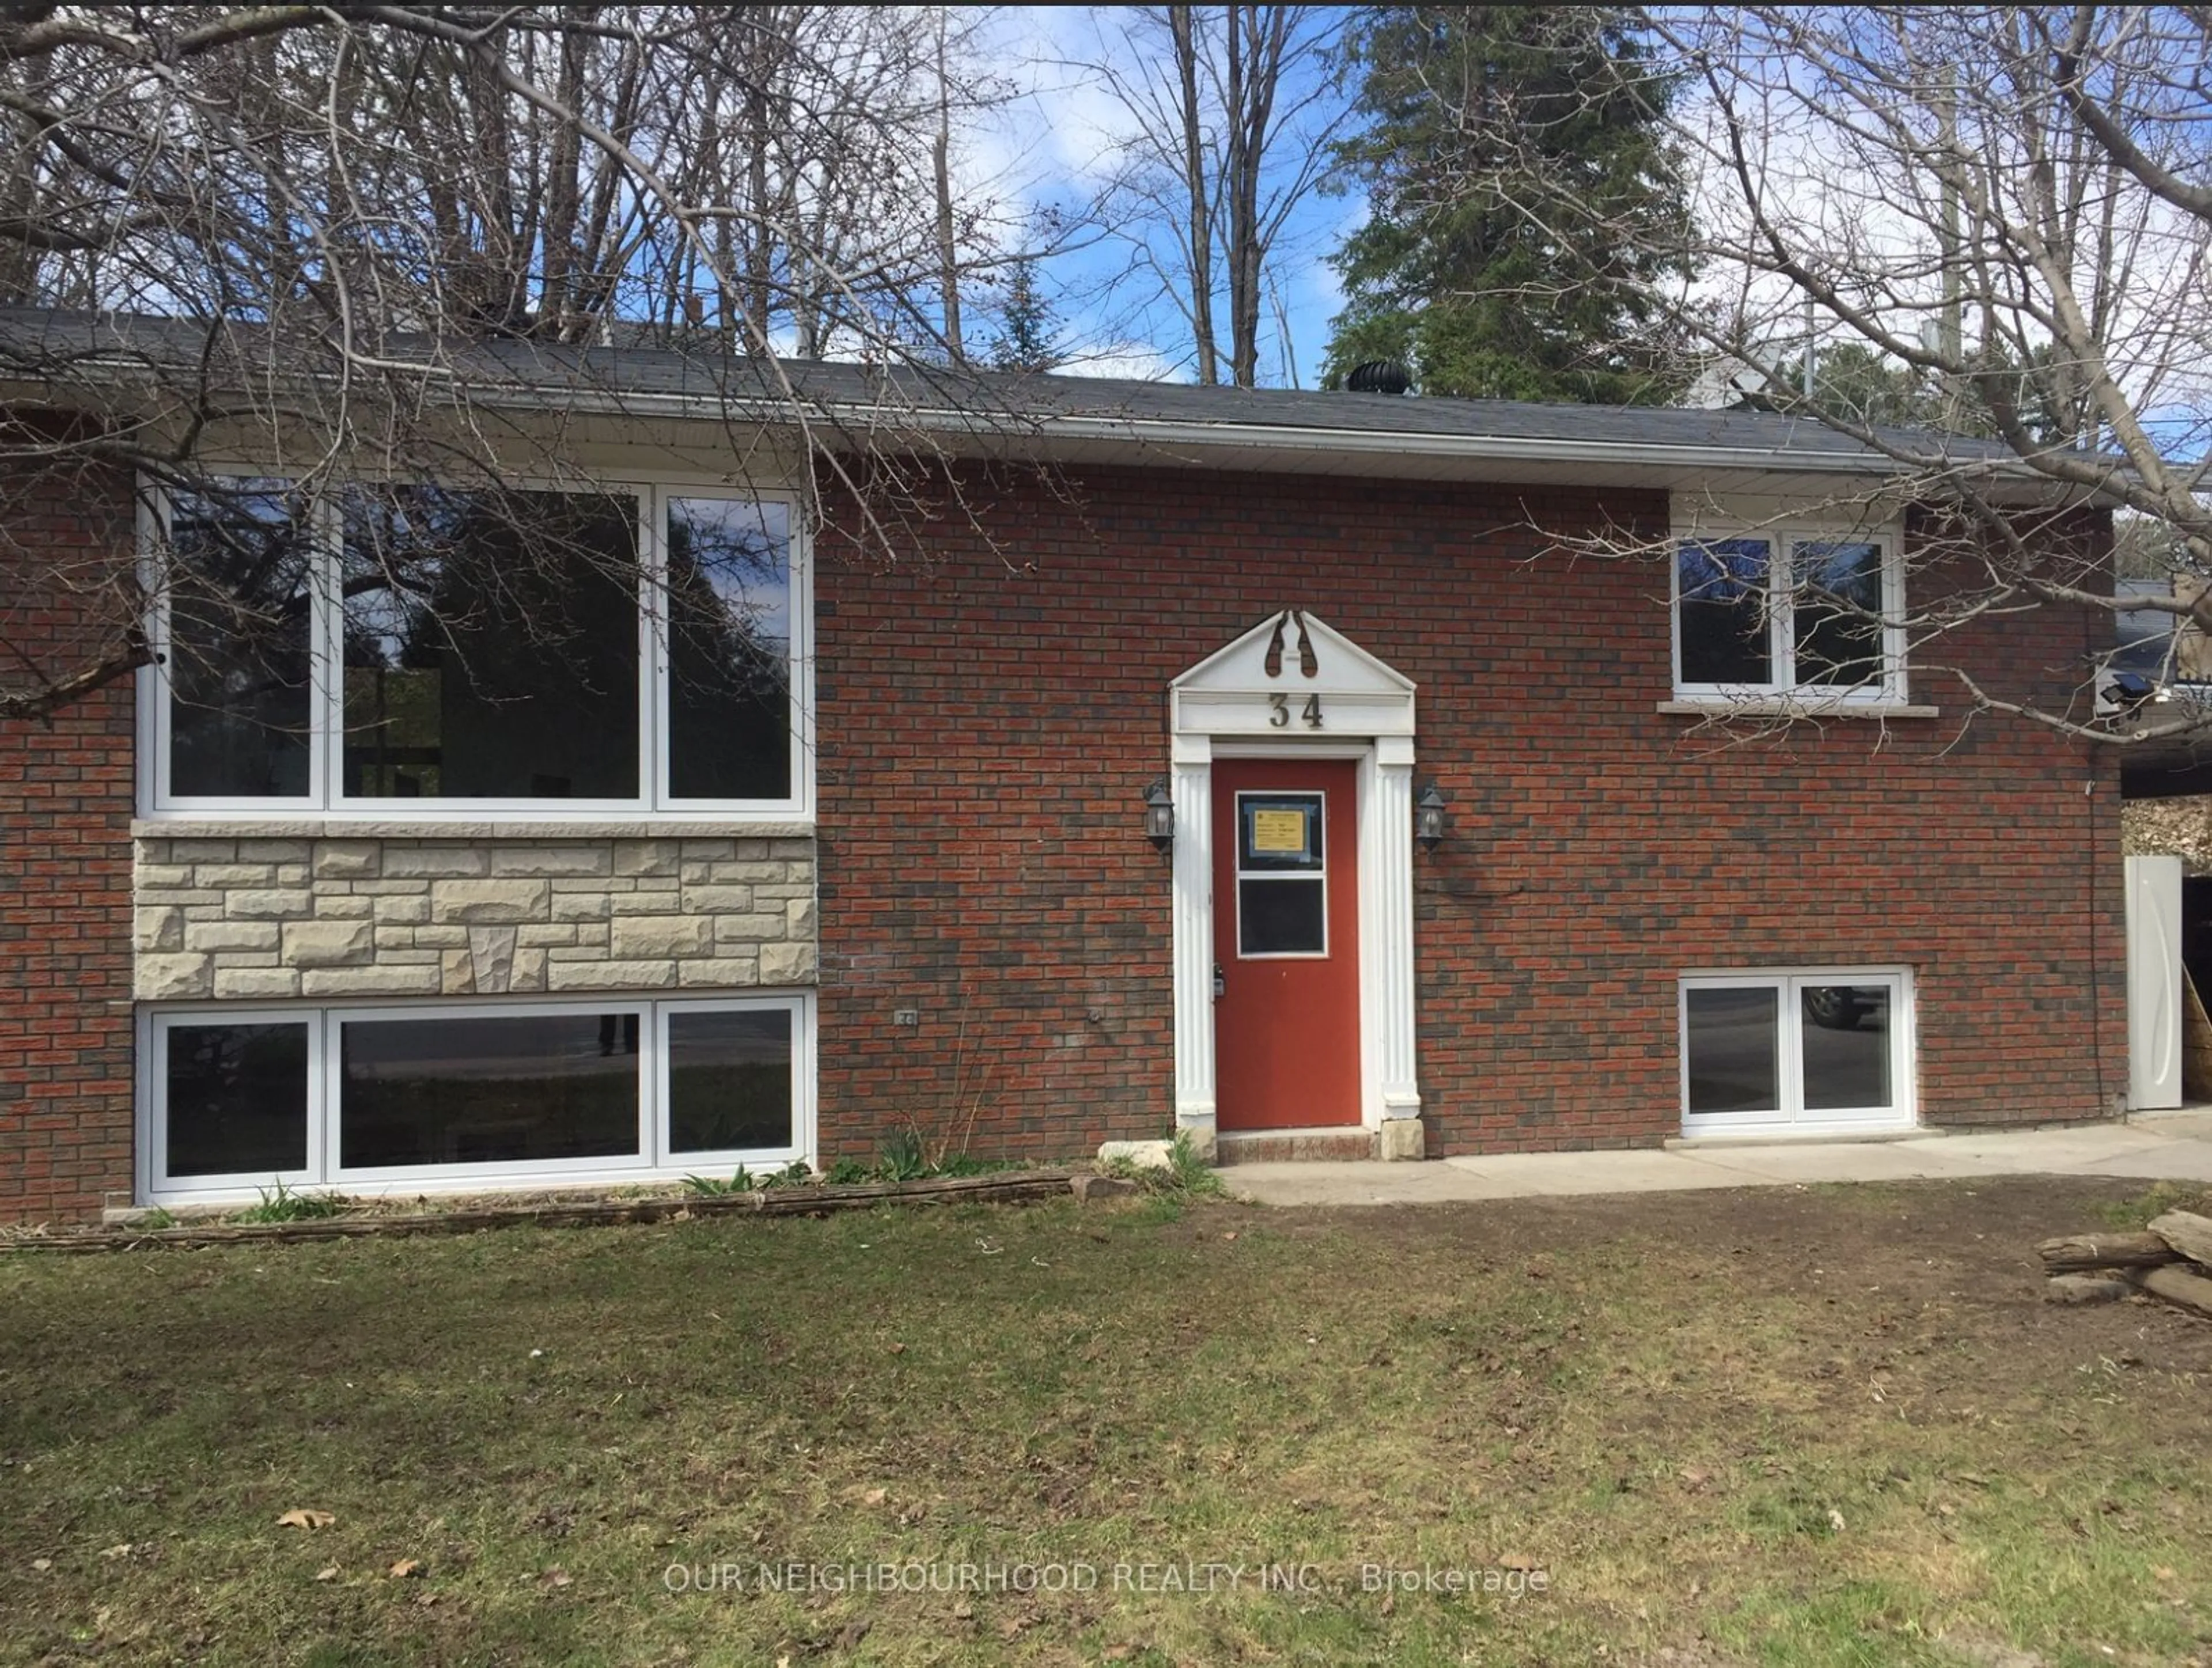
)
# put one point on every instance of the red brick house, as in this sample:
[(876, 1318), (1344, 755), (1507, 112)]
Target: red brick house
[(1220, 762)]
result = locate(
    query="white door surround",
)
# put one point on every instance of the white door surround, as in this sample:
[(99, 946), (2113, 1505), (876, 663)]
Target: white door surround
[(1293, 687)]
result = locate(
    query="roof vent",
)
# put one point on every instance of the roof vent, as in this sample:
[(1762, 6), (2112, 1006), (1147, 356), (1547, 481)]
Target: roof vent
[(1378, 376)]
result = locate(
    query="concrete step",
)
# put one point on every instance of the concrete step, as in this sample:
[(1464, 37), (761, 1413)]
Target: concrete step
[(1291, 1146)]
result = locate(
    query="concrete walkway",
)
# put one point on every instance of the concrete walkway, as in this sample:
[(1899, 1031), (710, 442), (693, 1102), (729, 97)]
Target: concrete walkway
[(2166, 1146)]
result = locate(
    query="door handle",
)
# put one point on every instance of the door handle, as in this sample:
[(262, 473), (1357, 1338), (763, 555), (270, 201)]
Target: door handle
[(1220, 983)]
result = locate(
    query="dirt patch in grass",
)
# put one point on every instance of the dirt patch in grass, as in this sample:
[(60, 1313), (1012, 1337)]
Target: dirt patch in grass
[(1774, 1426)]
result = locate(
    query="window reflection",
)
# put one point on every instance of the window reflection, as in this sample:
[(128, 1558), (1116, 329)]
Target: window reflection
[(729, 1081), (1840, 587), (1723, 610), (729, 649), (239, 587), (1733, 1040), (483, 1089), (236, 1100), (491, 644), (1847, 1046)]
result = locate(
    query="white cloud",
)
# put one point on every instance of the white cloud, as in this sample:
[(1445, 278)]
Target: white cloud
[(1131, 361)]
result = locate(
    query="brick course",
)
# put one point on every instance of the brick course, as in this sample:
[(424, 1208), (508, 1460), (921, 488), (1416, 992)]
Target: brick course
[(65, 800), (990, 718)]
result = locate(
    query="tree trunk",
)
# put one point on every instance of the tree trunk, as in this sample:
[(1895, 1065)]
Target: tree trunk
[(948, 251), (1199, 235)]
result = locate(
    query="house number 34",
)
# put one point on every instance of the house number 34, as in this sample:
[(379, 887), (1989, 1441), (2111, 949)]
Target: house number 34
[(1279, 711)]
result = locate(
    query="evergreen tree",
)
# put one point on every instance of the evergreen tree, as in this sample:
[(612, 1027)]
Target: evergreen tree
[(1518, 185), (1028, 339)]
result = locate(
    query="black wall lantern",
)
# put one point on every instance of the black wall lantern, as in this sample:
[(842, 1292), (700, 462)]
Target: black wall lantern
[(1429, 818), (1159, 817)]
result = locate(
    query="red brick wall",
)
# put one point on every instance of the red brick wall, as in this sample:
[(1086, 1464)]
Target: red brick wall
[(991, 718), (66, 802)]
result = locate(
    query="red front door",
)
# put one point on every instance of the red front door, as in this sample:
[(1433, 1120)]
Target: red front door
[(1286, 940)]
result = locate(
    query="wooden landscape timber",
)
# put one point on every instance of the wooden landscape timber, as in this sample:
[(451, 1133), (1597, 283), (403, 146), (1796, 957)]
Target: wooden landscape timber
[(2168, 1261), (803, 1200), (2082, 1253)]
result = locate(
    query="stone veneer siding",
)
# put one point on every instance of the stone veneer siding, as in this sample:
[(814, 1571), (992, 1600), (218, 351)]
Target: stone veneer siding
[(256, 919)]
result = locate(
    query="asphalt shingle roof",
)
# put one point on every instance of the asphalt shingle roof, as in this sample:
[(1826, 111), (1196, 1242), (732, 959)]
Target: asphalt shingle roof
[(919, 395)]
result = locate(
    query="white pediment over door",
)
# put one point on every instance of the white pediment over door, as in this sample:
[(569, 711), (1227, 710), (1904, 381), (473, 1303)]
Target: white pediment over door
[(1291, 676)]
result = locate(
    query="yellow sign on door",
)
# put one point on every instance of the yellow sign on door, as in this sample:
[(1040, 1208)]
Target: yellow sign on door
[(1278, 831)]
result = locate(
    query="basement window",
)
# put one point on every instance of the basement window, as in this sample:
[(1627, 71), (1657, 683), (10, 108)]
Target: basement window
[(471, 1095), (1823, 1051)]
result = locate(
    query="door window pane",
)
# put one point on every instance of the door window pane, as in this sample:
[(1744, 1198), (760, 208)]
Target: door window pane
[(239, 589), (1280, 918), (1836, 644), (487, 1088), (491, 645), (1732, 1045), (1722, 609), (729, 1081), (235, 1099), (1846, 1039), (729, 649), (1278, 832)]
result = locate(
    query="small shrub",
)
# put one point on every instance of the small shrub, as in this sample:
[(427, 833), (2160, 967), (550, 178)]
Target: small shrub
[(793, 1174), (284, 1206), (901, 1157), (1188, 1172), (1186, 1175), (846, 1173), (715, 1187)]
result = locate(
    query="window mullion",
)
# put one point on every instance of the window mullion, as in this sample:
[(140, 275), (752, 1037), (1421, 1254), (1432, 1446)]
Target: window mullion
[(326, 654), (1782, 611), (322, 1098), (653, 648), (154, 576), (1892, 617), (1791, 1042)]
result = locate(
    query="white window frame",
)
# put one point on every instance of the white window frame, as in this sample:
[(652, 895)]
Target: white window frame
[(652, 1162), (326, 698), (1781, 538), (1791, 1117), (802, 1087), (153, 1142)]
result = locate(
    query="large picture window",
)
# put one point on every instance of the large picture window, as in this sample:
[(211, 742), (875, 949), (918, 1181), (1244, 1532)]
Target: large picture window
[(1803, 612), (546, 650), (471, 1094), (1804, 1053)]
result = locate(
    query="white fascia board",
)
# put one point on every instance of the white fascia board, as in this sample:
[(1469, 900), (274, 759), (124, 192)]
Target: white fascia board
[(1040, 437)]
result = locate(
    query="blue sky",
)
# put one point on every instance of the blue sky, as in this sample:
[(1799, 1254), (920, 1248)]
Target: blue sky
[(1055, 146)]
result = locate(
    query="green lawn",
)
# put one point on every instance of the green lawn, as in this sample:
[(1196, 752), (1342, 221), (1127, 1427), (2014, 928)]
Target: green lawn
[(1772, 1426)]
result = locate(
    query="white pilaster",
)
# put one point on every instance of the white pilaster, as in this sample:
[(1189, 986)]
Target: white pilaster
[(1387, 930), (1192, 789)]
